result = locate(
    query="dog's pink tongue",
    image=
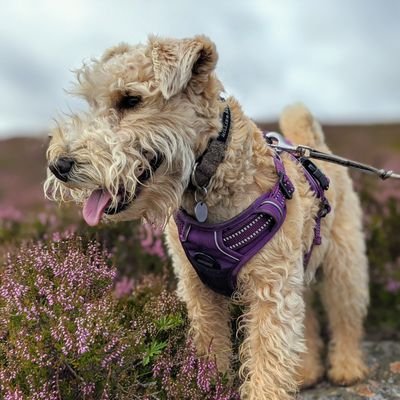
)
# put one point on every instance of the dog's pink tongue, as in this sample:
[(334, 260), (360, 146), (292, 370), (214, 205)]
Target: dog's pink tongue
[(95, 206)]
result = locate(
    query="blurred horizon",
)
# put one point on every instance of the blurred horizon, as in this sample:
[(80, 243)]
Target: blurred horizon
[(340, 58), (342, 127)]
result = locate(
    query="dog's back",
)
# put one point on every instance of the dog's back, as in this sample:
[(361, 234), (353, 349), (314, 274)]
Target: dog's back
[(344, 287)]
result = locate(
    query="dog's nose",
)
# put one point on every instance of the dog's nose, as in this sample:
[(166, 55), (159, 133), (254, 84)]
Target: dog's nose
[(62, 167)]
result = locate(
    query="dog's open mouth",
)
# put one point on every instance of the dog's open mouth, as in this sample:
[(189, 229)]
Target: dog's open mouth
[(99, 201)]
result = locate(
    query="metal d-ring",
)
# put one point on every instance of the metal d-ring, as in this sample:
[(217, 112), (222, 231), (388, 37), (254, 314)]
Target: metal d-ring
[(193, 176), (202, 189), (202, 192)]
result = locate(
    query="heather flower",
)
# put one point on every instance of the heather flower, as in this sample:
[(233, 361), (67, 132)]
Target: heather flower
[(391, 276), (59, 319), (14, 394), (151, 240), (124, 287), (392, 286), (383, 247), (47, 219), (10, 219), (186, 376), (66, 334), (10, 213), (87, 389)]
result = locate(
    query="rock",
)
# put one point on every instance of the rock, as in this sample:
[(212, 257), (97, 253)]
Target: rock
[(383, 382)]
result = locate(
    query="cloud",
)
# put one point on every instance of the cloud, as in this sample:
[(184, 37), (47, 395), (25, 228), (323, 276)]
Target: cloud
[(341, 58)]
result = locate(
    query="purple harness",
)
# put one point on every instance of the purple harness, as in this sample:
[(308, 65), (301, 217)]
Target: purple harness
[(218, 251)]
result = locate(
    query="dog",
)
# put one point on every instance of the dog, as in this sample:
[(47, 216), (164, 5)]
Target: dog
[(155, 110)]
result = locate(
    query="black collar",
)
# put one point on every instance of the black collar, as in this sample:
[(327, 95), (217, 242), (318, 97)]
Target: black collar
[(207, 164)]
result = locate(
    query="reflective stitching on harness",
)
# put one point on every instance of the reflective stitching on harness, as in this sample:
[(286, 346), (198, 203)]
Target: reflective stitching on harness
[(187, 232), (275, 205), (219, 248), (253, 229)]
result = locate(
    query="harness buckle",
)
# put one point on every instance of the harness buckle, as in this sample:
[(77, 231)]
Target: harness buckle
[(322, 179), (285, 186), (324, 209)]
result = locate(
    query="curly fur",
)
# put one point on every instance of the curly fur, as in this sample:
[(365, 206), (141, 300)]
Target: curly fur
[(179, 113)]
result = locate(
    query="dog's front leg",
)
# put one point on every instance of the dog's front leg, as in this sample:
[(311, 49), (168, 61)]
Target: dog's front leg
[(210, 321), (273, 324), (209, 318)]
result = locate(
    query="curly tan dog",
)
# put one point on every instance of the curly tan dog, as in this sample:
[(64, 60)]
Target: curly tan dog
[(153, 110)]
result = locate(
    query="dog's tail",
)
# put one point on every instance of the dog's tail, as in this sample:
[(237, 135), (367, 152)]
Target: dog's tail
[(300, 127)]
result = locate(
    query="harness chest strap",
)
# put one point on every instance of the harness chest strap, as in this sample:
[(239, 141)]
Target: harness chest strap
[(218, 251)]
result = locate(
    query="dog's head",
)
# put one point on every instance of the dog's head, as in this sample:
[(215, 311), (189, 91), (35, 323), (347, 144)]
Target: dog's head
[(152, 111)]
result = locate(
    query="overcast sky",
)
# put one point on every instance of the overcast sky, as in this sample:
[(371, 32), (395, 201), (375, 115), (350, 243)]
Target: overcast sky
[(340, 57)]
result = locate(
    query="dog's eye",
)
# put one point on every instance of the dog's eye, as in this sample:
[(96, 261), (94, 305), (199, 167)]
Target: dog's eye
[(128, 102)]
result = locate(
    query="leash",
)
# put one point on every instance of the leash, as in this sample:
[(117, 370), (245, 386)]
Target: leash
[(280, 144)]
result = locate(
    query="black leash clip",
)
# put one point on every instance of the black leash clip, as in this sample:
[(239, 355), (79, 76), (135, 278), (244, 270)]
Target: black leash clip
[(315, 172)]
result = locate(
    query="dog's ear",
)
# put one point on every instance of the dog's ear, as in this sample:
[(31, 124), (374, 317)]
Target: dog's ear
[(115, 50), (178, 63)]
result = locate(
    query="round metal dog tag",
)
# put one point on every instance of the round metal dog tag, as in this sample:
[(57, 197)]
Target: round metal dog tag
[(201, 211)]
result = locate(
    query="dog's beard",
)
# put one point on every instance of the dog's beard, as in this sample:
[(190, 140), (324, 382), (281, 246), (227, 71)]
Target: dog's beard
[(114, 189)]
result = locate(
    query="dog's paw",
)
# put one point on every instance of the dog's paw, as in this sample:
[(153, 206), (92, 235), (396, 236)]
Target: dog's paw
[(308, 375), (348, 372)]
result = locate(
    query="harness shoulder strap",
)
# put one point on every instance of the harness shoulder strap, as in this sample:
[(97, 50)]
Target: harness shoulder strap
[(318, 182)]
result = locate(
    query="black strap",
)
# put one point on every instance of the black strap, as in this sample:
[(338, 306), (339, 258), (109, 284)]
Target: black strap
[(226, 125), (208, 162)]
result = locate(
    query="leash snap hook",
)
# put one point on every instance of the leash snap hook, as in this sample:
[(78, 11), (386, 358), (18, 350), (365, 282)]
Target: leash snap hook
[(278, 142)]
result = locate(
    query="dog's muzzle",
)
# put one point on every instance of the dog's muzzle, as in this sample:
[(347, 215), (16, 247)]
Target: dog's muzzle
[(99, 201)]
